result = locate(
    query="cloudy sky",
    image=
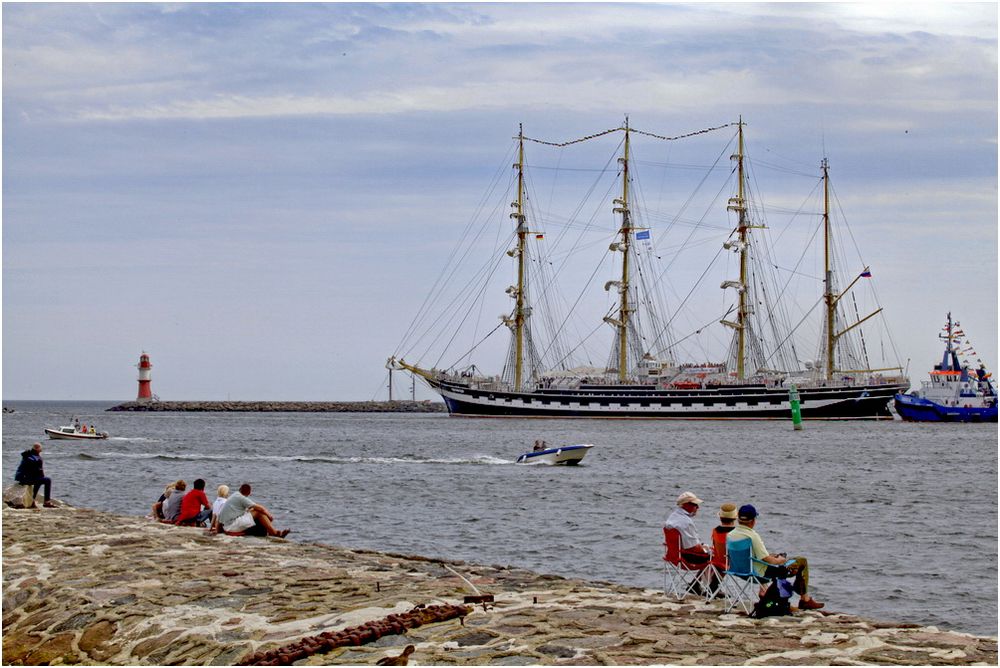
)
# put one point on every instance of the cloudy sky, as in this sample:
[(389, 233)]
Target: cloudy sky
[(261, 195)]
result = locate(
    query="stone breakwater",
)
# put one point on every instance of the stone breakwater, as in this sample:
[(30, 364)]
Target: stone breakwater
[(285, 406), (82, 586)]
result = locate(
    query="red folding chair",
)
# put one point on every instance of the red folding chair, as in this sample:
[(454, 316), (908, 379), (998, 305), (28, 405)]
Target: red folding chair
[(679, 577)]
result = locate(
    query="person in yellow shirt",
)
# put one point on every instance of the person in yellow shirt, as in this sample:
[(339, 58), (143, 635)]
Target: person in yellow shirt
[(776, 564)]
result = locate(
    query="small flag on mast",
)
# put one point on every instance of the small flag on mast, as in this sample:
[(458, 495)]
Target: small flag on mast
[(539, 236), (866, 274), (643, 236)]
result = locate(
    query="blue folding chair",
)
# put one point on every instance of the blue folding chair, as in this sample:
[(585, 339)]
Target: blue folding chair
[(742, 584)]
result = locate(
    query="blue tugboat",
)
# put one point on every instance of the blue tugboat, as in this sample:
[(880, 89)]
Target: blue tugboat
[(954, 393)]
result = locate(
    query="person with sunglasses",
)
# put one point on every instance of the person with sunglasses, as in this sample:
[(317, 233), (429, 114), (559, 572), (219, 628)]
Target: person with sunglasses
[(693, 551)]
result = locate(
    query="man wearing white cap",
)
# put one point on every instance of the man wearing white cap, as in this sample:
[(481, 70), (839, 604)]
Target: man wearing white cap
[(693, 550)]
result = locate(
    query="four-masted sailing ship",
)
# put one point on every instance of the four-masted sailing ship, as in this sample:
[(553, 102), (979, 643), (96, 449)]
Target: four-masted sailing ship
[(641, 376)]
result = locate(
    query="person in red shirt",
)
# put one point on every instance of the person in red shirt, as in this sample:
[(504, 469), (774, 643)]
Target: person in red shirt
[(195, 509)]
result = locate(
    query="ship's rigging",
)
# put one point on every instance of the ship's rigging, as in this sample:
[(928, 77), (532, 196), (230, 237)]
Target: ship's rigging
[(657, 338)]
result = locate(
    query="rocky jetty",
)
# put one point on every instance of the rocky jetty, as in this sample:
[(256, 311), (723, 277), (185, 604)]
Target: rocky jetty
[(85, 587), (285, 406)]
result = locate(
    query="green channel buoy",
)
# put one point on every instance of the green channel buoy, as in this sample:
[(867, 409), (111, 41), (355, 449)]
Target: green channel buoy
[(793, 402)]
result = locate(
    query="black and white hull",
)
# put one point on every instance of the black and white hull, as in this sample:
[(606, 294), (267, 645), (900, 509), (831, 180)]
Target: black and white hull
[(747, 402), (559, 364)]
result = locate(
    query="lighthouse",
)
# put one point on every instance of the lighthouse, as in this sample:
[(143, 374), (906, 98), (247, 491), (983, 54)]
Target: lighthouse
[(144, 366)]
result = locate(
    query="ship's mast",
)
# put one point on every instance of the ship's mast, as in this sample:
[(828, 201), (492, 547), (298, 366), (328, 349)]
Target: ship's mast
[(828, 295), (626, 234), (522, 234), (738, 204), (950, 356), (833, 298)]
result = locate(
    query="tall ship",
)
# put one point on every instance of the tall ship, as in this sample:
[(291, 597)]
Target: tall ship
[(956, 392), (660, 340)]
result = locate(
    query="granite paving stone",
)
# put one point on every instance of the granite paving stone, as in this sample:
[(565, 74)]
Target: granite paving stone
[(85, 587)]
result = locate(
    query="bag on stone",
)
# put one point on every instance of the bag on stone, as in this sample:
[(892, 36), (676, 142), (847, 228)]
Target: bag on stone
[(774, 602)]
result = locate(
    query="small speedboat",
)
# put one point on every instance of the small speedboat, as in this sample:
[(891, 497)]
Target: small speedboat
[(570, 455), (71, 433)]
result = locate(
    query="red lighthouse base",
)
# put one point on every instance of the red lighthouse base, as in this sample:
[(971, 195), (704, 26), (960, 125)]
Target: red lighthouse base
[(145, 393)]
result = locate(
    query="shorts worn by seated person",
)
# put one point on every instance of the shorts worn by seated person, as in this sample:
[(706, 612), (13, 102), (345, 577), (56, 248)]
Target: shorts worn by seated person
[(236, 517)]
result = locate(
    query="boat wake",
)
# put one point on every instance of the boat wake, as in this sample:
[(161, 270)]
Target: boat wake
[(544, 463), (480, 460)]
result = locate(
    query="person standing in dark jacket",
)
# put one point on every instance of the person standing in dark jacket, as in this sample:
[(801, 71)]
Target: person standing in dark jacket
[(30, 472)]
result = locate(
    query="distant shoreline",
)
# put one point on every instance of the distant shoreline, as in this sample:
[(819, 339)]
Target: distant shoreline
[(283, 406)]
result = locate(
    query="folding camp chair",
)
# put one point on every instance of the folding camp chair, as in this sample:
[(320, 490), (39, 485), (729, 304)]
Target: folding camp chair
[(717, 565), (679, 577), (742, 584)]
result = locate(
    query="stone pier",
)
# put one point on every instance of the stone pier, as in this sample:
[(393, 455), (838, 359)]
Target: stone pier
[(281, 406), (88, 587)]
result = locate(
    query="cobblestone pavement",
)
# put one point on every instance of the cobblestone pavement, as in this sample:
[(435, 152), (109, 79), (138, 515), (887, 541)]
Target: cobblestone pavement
[(87, 587)]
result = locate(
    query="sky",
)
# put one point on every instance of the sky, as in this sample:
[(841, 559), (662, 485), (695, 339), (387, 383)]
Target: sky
[(261, 195)]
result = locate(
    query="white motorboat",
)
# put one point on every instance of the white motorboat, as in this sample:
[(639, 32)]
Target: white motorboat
[(71, 433), (570, 455)]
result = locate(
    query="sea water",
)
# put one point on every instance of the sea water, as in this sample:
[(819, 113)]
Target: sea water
[(898, 520)]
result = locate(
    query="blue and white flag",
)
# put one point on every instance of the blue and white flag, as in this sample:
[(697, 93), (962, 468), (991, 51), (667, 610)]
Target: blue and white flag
[(643, 236)]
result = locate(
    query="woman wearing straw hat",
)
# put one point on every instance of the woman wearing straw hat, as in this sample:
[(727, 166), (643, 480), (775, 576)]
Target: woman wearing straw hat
[(727, 521)]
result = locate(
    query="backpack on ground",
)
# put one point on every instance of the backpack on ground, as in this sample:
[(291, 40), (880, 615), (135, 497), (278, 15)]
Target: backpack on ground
[(775, 602)]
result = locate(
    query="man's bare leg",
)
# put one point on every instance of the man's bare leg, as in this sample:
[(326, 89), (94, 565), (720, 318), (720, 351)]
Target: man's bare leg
[(265, 521)]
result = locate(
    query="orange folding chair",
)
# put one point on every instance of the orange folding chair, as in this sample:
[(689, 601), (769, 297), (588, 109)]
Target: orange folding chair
[(719, 563)]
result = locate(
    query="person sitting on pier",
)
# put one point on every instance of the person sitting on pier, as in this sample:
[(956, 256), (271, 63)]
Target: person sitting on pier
[(195, 510), (158, 506), (172, 506), (778, 564), (727, 521), (720, 556), (695, 553), (30, 473), (222, 495), (245, 517), (693, 550)]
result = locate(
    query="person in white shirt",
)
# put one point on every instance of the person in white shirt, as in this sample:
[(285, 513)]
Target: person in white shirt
[(693, 551), (222, 495)]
